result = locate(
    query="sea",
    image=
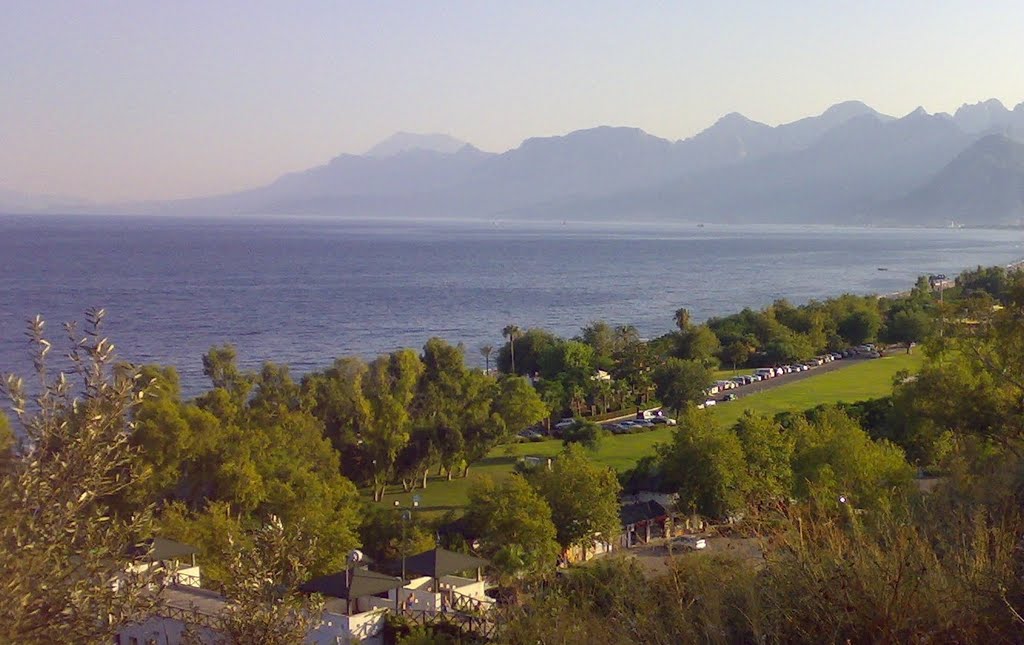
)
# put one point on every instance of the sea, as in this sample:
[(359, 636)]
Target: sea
[(305, 290)]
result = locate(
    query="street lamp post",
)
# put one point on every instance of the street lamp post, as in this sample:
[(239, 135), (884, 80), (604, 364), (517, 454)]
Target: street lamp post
[(406, 517)]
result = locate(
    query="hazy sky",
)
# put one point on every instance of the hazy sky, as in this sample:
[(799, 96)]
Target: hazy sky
[(138, 99)]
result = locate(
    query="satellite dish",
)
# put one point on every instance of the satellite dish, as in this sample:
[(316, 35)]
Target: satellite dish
[(355, 555)]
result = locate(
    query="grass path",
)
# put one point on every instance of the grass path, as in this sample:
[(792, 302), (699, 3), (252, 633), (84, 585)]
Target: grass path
[(867, 380)]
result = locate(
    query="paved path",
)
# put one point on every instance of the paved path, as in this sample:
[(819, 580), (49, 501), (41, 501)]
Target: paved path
[(762, 386)]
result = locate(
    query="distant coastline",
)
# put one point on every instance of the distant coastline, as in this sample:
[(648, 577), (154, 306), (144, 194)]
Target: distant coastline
[(300, 290)]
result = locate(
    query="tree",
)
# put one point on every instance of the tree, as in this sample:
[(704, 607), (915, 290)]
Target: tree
[(860, 326), (262, 459), (513, 524), (275, 391), (482, 428), (219, 365), (585, 433), (518, 403), (487, 351), (386, 536), (7, 444), (511, 332), (680, 383), (439, 407), (699, 343), (391, 385), (633, 363), (529, 347), (705, 464), (600, 336), (834, 458), (570, 361), (908, 325), (217, 532), (337, 398), (69, 565), (682, 319), (583, 496), (552, 394), (767, 449), (265, 606), (736, 353)]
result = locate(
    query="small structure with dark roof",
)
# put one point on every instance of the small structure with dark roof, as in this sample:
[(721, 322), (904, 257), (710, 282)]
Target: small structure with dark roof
[(352, 584), (437, 563), (435, 587), (639, 519), (176, 558), (357, 602)]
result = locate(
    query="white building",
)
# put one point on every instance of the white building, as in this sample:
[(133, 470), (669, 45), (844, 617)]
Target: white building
[(357, 599)]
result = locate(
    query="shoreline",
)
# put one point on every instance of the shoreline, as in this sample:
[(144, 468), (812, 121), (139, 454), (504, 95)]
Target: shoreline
[(1016, 265)]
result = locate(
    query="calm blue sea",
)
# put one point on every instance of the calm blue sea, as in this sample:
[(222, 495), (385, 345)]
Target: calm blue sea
[(303, 290)]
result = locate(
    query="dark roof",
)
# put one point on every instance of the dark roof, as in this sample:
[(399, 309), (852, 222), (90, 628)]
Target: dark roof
[(358, 583), (156, 549), (440, 562), (633, 513)]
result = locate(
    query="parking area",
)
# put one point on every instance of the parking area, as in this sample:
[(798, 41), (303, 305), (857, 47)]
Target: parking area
[(732, 388), (755, 382)]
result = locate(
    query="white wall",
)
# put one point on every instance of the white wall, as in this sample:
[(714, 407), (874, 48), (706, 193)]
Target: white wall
[(338, 626), (161, 631)]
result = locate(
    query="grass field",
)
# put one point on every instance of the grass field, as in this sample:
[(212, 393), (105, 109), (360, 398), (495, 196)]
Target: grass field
[(865, 380)]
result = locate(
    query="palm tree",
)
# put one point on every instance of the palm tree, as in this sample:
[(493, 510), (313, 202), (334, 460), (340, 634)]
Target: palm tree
[(486, 351), (682, 318), (512, 333)]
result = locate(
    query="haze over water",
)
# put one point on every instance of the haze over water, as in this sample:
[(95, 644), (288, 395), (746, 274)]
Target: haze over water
[(303, 291)]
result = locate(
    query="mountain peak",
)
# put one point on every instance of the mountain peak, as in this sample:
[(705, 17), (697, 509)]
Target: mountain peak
[(733, 119), (848, 110), (990, 104), (981, 116), (403, 142)]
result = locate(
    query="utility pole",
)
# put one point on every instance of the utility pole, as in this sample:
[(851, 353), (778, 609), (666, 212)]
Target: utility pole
[(406, 517)]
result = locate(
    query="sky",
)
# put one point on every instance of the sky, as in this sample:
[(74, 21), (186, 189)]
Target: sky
[(113, 101)]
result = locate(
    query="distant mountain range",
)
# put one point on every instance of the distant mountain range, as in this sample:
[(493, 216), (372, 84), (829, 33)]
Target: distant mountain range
[(849, 164)]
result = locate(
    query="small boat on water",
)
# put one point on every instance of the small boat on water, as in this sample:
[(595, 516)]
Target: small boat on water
[(883, 269)]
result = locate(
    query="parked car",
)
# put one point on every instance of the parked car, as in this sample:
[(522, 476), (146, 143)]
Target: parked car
[(565, 423), (694, 542), (663, 421), (730, 397)]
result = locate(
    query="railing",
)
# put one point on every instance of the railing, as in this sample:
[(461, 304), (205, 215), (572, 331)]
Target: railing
[(467, 604), (191, 616), (185, 579), (479, 625)]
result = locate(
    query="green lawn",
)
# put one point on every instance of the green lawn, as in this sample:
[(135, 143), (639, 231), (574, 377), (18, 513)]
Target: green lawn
[(724, 375), (866, 380)]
